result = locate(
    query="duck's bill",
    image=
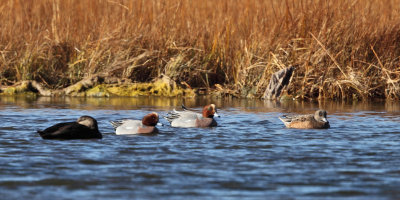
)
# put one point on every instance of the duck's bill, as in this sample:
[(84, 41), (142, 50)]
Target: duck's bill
[(160, 124), (324, 120), (216, 115)]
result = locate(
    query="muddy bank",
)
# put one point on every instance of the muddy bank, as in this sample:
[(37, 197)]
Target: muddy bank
[(99, 86), (104, 86)]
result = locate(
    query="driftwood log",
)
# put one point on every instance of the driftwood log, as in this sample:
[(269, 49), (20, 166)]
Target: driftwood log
[(278, 82)]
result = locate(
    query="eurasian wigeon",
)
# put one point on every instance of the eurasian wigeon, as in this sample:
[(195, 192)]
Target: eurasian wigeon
[(84, 128), (188, 118), (129, 126), (316, 121)]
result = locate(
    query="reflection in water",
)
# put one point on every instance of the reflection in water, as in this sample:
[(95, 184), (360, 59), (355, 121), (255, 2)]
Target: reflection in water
[(122, 103), (249, 155)]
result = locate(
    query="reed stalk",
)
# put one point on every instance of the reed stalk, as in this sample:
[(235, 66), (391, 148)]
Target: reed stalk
[(342, 49)]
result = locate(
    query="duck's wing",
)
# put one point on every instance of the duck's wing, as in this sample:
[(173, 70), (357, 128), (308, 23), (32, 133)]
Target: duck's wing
[(117, 123), (287, 119), (127, 124), (296, 118), (187, 115)]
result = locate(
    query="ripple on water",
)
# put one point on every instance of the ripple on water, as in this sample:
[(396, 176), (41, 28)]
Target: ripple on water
[(249, 155)]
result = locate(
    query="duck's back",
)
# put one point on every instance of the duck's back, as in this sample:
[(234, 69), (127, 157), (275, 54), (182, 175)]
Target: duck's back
[(191, 119)]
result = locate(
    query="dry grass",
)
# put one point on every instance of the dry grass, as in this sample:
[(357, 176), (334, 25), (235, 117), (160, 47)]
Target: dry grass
[(343, 49)]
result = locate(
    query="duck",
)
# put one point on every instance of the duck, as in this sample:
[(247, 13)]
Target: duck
[(129, 126), (312, 121), (84, 128), (187, 119)]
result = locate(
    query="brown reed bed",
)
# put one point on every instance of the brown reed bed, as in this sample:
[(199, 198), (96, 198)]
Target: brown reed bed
[(342, 49)]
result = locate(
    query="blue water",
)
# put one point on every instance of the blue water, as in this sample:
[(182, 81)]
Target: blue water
[(250, 155)]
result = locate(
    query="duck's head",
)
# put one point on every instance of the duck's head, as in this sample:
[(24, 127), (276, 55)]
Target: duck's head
[(210, 111), (88, 121), (320, 115), (150, 119)]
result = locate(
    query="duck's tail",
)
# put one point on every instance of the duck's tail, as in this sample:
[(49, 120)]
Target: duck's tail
[(41, 133), (285, 120), (184, 107), (171, 115), (116, 124)]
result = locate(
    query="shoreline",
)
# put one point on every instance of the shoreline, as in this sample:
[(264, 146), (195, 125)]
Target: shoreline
[(160, 87)]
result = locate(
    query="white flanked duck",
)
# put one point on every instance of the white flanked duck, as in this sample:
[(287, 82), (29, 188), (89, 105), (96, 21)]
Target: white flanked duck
[(129, 126), (188, 118)]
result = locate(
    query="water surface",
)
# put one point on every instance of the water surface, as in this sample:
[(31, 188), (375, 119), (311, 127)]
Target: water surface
[(250, 155)]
